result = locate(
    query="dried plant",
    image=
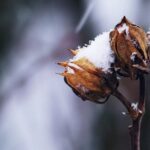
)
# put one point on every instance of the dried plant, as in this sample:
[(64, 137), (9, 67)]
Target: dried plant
[(94, 70)]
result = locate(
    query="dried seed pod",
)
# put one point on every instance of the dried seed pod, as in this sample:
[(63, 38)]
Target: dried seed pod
[(87, 81), (89, 73), (129, 43)]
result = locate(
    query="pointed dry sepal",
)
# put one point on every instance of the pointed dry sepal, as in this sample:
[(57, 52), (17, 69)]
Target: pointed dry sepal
[(73, 52), (63, 63), (87, 81), (62, 74)]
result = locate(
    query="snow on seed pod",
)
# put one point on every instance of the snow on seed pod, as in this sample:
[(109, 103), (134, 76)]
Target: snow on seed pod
[(89, 72)]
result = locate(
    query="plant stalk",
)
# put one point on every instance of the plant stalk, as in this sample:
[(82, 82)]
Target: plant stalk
[(135, 114), (135, 129)]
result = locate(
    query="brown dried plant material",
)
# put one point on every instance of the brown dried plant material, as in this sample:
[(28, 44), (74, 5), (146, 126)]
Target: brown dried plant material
[(87, 81), (148, 41), (129, 42)]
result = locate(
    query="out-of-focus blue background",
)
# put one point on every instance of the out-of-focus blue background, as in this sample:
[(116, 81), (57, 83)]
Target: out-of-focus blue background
[(38, 111)]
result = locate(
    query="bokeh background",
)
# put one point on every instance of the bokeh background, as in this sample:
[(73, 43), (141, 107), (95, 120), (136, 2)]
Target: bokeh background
[(38, 111)]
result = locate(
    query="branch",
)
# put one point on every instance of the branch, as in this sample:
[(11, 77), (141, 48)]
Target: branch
[(135, 129), (136, 114), (123, 100)]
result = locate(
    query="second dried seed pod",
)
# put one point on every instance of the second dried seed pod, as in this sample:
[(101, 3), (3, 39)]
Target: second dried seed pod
[(129, 43)]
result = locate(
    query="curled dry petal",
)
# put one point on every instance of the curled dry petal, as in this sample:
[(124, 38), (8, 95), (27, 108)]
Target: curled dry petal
[(129, 42), (87, 81)]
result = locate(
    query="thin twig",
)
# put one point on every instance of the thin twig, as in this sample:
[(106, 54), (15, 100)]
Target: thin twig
[(123, 100)]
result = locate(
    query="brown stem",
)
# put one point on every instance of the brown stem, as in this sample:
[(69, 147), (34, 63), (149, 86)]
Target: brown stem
[(123, 100), (135, 114), (142, 94), (136, 123), (134, 131)]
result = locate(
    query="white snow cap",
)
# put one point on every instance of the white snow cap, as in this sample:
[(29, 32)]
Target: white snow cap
[(97, 52)]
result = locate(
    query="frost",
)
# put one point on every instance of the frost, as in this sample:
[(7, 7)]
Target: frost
[(148, 32), (69, 70), (124, 113), (134, 106), (148, 38), (118, 77), (140, 111), (97, 52), (82, 88), (132, 57), (123, 28)]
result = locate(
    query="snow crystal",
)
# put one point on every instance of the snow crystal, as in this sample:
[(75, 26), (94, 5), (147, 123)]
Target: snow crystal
[(124, 113), (148, 37), (122, 28), (118, 77), (97, 52), (140, 111), (132, 57), (69, 70), (134, 106)]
